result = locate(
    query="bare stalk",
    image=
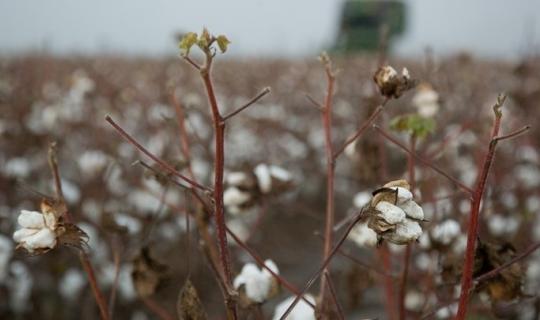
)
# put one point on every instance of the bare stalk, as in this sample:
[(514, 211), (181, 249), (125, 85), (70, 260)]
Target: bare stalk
[(407, 255), (83, 256), (472, 232), (326, 116), (219, 163)]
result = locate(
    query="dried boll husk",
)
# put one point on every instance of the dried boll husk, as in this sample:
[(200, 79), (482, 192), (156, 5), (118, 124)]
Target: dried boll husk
[(391, 84)]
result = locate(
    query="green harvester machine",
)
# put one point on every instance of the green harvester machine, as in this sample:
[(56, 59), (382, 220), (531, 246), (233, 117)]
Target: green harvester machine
[(362, 22)]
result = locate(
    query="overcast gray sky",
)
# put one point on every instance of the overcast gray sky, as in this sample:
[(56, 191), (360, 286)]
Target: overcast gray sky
[(495, 28)]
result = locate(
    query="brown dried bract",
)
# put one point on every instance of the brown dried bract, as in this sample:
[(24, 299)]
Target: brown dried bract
[(189, 306)]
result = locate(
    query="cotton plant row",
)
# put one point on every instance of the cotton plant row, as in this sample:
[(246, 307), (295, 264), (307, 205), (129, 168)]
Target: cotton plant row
[(402, 216)]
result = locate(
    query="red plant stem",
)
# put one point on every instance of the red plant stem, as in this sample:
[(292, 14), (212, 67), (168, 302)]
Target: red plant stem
[(326, 116), (157, 309), (472, 232), (488, 275), (264, 92), (219, 162), (407, 255), (98, 295), (389, 297), (83, 256)]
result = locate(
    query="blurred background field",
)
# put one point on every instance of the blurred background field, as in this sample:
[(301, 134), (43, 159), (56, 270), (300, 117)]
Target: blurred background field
[(58, 84)]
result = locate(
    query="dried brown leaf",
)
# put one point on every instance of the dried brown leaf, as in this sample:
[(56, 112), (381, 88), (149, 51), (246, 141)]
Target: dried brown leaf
[(189, 306)]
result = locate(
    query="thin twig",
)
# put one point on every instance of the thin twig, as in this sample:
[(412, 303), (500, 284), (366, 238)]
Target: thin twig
[(512, 134), (157, 309), (423, 161), (314, 102), (264, 92), (162, 163), (325, 263), (362, 128), (334, 296), (83, 256), (191, 62)]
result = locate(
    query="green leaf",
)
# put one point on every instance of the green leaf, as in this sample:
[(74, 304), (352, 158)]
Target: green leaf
[(223, 43), (413, 124), (188, 40)]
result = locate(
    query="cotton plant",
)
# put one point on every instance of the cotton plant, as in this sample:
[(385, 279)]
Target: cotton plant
[(43, 230), (256, 285), (394, 215)]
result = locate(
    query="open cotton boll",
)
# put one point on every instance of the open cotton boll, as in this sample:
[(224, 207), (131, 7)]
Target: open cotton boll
[(92, 161), (391, 213), (280, 173), (363, 236), (31, 219), (500, 225), (236, 178), (403, 195), (257, 282), (412, 210), (302, 310), (405, 232), (264, 177), (361, 199), (446, 231), (42, 239), (235, 197)]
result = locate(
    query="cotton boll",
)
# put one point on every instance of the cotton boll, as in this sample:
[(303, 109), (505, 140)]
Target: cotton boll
[(92, 161), (280, 173), (446, 231), (235, 197), (264, 178), (447, 312), (132, 224), (412, 210), (405, 232), (403, 195), (17, 168), (502, 225), (389, 212), (257, 283), (361, 199), (236, 178), (71, 284), (31, 219), (363, 236), (414, 300), (426, 101), (302, 310), (44, 238)]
